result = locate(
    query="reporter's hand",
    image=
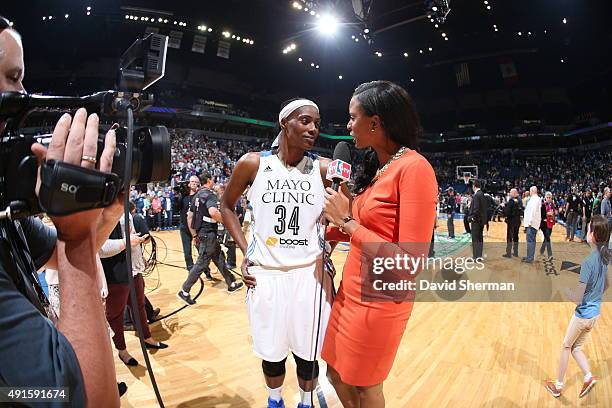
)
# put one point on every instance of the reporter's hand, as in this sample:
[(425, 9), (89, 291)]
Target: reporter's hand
[(73, 139), (248, 279)]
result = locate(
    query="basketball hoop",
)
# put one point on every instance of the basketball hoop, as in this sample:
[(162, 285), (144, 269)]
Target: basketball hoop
[(466, 178)]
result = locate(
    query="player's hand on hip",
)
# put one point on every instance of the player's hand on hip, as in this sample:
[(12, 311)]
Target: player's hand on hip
[(248, 279)]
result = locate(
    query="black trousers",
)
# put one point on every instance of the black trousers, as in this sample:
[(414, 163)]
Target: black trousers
[(466, 224), (210, 250), (477, 240), (451, 226), (512, 237), (186, 240)]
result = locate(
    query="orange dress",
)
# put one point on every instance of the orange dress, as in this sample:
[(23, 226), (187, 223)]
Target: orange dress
[(362, 338)]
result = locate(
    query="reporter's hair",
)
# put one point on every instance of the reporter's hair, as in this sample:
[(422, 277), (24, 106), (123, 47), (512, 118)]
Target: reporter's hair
[(398, 118), (132, 206), (601, 236)]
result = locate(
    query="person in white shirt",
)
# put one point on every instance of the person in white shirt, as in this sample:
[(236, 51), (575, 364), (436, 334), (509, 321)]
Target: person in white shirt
[(531, 222)]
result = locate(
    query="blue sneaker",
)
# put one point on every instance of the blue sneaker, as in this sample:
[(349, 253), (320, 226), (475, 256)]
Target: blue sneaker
[(300, 405), (274, 404)]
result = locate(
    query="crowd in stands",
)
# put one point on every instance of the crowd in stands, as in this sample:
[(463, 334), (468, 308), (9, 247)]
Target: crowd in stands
[(193, 153)]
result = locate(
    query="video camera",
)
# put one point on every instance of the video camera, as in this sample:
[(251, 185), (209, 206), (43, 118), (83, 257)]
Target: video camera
[(65, 188)]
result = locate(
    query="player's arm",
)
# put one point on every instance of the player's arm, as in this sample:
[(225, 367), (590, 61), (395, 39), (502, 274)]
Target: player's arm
[(244, 173), (607, 282)]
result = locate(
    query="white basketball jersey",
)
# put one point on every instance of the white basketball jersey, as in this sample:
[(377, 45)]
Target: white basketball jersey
[(287, 205)]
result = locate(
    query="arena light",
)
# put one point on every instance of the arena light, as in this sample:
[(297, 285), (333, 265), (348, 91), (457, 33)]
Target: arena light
[(296, 4), (366, 30), (328, 24), (562, 61), (405, 55), (210, 30), (238, 38), (127, 16), (50, 17), (378, 54), (89, 13), (411, 79), (488, 7), (317, 67), (520, 33), (430, 49), (66, 15), (340, 77), (300, 59), (420, 51), (312, 64), (226, 34), (564, 20), (44, 18), (88, 8)]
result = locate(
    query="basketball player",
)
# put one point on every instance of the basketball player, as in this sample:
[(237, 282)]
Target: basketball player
[(281, 265)]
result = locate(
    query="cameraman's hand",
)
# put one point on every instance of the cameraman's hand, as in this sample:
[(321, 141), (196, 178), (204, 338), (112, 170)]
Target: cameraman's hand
[(73, 139)]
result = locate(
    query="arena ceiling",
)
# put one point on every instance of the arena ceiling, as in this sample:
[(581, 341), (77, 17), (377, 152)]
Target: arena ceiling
[(549, 42)]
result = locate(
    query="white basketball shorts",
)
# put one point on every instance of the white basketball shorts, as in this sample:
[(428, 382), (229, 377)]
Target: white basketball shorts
[(283, 311)]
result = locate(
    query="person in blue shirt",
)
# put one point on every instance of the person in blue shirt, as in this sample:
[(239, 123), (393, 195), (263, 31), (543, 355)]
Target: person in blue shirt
[(594, 281)]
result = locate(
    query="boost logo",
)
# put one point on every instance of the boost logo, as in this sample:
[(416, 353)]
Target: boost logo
[(271, 241)]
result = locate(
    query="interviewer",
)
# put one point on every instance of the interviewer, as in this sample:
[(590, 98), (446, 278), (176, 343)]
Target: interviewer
[(395, 204)]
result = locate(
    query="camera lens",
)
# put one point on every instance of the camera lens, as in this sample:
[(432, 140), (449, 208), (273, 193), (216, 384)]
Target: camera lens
[(150, 154), (155, 164)]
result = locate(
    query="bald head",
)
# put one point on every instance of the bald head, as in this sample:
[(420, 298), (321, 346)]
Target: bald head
[(514, 193), (194, 184), (533, 190), (11, 61)]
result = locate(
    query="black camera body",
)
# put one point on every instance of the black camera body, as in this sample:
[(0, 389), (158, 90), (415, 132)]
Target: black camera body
[(65, 188)]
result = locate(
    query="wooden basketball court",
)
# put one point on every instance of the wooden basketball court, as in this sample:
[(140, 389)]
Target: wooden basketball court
[(453, 354)]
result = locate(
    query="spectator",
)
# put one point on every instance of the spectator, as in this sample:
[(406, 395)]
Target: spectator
[(531, 221)]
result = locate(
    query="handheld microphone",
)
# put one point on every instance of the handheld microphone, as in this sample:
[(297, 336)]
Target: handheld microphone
[(339, 170)]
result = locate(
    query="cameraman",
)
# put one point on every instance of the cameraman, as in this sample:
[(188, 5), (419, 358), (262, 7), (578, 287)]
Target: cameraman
[(202, 219), (33, 352)]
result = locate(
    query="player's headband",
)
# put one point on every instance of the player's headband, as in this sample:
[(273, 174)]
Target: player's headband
[(288, 110)]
